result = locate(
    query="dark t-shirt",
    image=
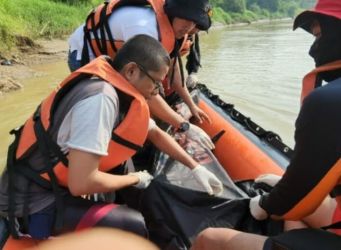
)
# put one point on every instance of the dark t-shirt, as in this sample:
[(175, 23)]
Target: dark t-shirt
[(312, 172)]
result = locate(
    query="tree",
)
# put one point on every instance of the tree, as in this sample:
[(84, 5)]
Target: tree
[(290, 8), (306, 4), (271, 5), (250, 3), (237, 6)]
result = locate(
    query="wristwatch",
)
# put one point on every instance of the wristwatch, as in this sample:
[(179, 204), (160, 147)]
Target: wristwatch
[(184, 126)]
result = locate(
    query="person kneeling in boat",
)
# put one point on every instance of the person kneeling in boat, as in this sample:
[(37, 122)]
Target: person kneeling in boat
[(315, 169), (169, 21), (77, 140)]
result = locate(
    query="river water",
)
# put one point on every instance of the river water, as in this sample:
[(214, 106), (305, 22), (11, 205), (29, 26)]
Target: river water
[(256, 67), (259, 68)]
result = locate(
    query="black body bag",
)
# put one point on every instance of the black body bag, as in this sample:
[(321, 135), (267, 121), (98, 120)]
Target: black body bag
[(176, 208), (175, 216)]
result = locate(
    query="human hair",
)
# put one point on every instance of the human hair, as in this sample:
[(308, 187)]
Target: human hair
[(143, 50)]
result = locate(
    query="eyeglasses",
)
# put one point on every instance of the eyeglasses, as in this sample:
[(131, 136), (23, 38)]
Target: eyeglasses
[(157, 84)]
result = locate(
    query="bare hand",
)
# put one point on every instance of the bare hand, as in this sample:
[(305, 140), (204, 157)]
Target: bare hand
[(199, 114)]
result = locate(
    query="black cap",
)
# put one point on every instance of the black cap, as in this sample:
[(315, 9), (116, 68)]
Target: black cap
[(198, 11)]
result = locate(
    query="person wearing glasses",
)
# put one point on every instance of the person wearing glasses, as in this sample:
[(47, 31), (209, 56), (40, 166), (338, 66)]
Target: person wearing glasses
[(169, 21), (157, 83), (309, 193), (84, 131)]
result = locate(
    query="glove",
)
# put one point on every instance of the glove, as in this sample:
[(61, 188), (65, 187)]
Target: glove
[(192, 80), (144, 178), (209, 181), (255, 209), (269, 179), (197, 134)]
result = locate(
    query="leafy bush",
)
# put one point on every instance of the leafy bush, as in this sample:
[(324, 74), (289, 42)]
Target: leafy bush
[(250, 16), (255, 8), (237, 17), (237, 6), (290, 8), (219, 15)]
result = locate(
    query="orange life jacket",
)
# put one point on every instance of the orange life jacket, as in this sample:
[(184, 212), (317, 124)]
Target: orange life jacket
[(309, 81), (127, 137), (97, 20), (338, 185)]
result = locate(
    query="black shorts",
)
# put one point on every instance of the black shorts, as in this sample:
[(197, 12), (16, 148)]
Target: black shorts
[(304, 239), (77, 211)]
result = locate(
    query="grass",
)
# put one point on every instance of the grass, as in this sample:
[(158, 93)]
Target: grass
[(40, 18)]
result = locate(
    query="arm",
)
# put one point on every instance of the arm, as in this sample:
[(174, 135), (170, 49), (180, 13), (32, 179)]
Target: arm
[(85, 178), (164, 112), (182, 91)]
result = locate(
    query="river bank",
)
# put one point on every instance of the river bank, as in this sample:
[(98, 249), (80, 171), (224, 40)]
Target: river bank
[(16, 65)]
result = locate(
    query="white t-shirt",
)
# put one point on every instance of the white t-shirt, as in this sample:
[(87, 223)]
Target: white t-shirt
[(124, 23), (88, 125)]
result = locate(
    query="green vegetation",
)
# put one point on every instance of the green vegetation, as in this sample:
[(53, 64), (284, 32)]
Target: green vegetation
[(235, 11), (22, 21)]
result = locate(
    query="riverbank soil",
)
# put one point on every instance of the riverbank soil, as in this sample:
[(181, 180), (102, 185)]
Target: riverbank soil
[(16, 65)]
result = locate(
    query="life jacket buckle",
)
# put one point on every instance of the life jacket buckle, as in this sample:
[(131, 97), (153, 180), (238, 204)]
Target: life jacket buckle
[(53, 158), (15, 131)]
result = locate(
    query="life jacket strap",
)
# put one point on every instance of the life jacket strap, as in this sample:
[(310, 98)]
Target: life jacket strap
[(85, 52), (48, 147), (108, 31), (125, 142), (336, 191), (52, 155), (11, 160), (336, 225), (87, 39), (175, 54), (181, 68), (102, 19)]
